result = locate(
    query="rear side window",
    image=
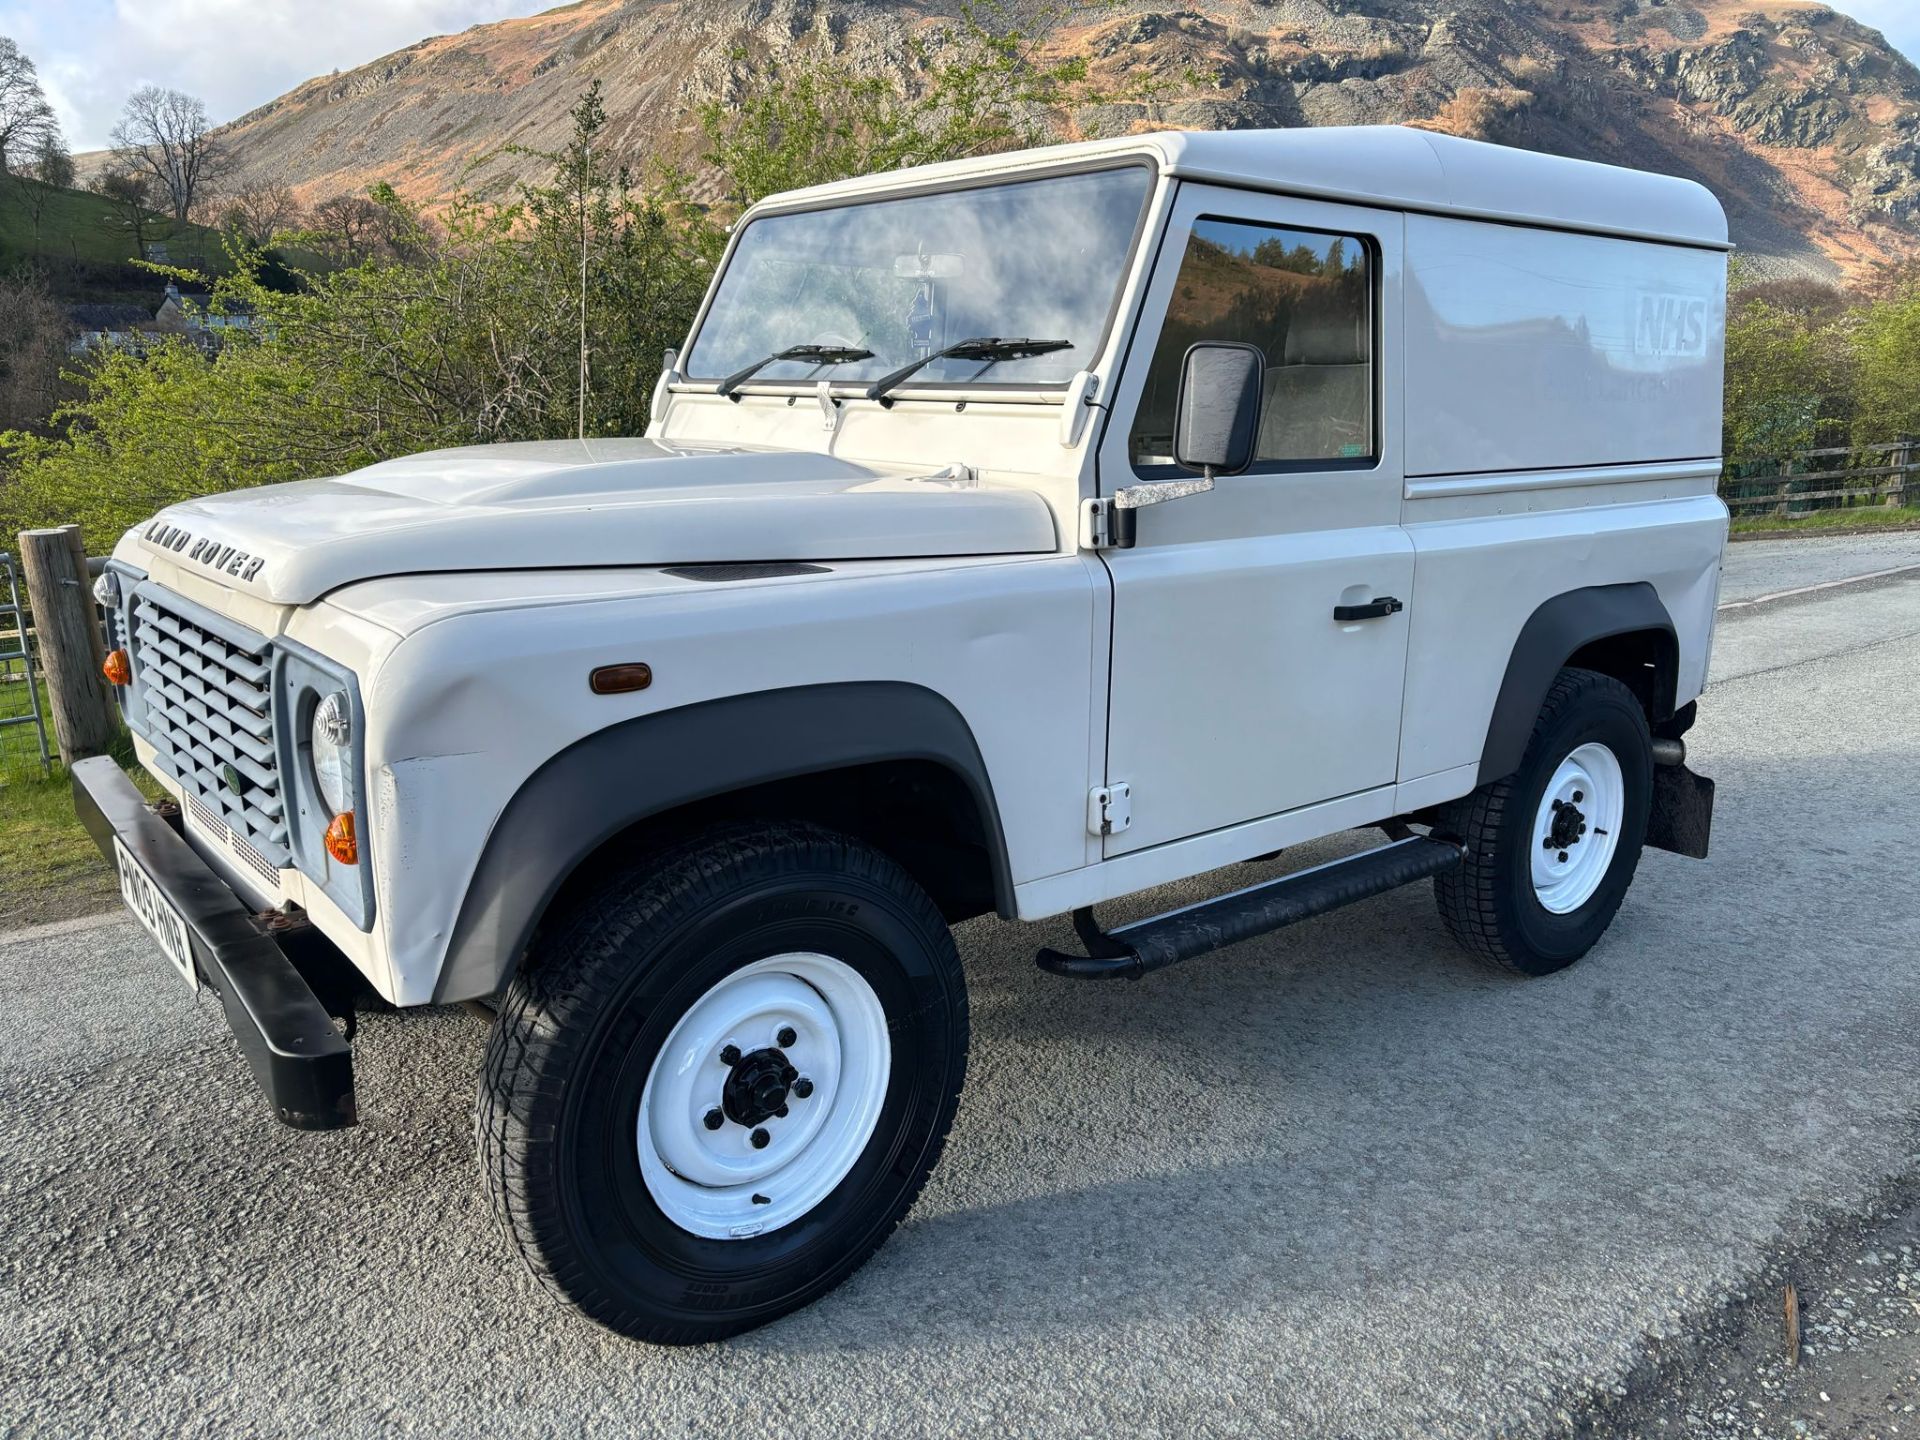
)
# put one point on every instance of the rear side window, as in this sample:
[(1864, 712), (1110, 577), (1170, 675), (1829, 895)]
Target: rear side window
[(1305, 298)]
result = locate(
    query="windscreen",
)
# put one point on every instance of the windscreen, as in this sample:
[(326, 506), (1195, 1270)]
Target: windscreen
[(907, 277)]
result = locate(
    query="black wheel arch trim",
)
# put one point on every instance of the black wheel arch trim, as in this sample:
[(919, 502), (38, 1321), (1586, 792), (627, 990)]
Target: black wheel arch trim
[(616, 778), (1553, 634)]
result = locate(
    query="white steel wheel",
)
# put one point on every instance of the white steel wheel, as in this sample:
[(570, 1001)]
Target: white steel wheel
[(764, 1096), (1577, 828)]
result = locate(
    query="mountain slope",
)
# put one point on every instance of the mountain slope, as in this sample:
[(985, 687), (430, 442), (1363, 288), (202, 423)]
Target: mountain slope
[(1805, 122)]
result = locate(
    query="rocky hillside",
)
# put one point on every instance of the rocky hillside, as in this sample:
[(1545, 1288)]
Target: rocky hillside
[(1805, 122)]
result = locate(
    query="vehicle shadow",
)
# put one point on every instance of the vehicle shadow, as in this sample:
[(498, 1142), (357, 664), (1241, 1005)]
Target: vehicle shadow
[(1352, 1121), (1337, 1178)]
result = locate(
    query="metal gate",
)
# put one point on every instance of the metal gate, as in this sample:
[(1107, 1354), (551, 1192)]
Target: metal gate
[(19, 688)]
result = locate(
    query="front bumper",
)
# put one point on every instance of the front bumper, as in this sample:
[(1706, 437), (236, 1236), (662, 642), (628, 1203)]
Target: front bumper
[(301, 1061)]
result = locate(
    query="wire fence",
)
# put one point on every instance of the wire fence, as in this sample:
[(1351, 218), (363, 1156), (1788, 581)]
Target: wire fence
[(23, 704)]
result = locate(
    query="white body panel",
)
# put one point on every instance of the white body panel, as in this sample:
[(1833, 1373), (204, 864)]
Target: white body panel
[(1533, 437), (1390, 166), (1480, 578), (1530, 349), (587, 502), (1234, 693), (1006, 642)]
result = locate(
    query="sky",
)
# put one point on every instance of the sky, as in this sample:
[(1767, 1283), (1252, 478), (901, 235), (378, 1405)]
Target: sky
[(236, 54), (1899, 19), (233, 54)]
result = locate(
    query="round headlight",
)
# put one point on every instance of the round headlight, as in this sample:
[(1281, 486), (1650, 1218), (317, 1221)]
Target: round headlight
[(333, 750)]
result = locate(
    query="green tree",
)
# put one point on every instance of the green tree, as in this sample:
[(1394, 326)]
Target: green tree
[(1790, 368), (543, 317), (631, 265), (457, 332), (1886, 340)]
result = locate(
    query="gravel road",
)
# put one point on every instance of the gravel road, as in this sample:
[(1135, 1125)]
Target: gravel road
[(1762, 567), (1340, 1182)]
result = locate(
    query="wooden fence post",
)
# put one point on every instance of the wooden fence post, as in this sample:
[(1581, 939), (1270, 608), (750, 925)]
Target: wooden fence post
[(68, 641)]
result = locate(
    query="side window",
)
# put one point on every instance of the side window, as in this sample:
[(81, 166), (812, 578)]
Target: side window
[(1305, 298)]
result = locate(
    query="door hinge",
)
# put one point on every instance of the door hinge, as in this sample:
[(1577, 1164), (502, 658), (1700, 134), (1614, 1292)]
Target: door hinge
[(1105, 526), (1109, 808)]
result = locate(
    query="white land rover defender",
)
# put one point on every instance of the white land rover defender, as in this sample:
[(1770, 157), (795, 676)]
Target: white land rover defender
[(1011, 535)]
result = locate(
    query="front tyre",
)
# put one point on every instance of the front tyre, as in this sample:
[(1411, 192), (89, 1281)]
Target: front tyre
[(717, 1087), (1552, 848)]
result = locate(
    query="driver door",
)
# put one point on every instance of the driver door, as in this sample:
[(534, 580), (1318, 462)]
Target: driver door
[(1236, 693)]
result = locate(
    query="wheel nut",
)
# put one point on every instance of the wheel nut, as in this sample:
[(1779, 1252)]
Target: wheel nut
[(781, 1113), (1563, 857), (1558, 803), (1578, 796), (786, 1035), (803, 1087), (730, 1055), (714, 1119), (760, 1139)]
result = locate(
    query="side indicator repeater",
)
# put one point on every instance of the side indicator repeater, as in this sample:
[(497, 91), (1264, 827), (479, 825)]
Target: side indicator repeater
[(341, 841), (620, 679)]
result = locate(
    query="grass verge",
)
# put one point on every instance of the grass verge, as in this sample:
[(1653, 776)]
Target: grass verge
[(50, 869), (1831, 522)]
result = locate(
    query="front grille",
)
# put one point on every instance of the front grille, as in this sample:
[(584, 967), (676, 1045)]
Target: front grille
[(215, 826), (208, 710)]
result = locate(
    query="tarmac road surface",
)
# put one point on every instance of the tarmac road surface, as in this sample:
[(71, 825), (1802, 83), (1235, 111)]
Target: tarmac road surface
[(1337, 1182)]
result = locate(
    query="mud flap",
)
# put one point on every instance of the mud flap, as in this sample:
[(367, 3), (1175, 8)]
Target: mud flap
[(1682, 816)]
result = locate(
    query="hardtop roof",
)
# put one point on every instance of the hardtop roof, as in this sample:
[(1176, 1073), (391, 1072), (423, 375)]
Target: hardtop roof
[(1395, 166)]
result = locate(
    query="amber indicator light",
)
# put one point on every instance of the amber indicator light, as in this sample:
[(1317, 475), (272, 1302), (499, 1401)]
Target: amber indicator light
[(118, 669), (342, 843), (619, 679)]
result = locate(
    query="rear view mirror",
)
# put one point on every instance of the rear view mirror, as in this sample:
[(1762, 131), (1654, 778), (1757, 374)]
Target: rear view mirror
[(1217, 416), (928, 267)]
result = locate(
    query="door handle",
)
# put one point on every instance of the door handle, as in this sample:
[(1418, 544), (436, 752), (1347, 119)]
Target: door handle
[(1378, 608)]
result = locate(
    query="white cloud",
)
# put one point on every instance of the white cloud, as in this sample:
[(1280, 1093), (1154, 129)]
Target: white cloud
[(233, 54)]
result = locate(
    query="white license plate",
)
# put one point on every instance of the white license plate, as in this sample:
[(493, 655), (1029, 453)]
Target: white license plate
[(153, 910)]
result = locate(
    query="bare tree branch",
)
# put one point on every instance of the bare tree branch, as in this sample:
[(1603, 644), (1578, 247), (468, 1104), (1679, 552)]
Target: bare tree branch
[(261, 210), (165, 134), (129, 197), (26, 119)]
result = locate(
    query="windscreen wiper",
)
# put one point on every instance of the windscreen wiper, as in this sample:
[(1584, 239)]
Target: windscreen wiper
[(990, 348), (818, 354)]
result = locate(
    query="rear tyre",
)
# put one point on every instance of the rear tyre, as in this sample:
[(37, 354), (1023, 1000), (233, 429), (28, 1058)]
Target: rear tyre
[(716, 1089), (1552, 848)]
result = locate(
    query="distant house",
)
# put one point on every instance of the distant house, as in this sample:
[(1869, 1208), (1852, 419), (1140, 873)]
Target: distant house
[(188, 314), (91, 326), (191, 312)]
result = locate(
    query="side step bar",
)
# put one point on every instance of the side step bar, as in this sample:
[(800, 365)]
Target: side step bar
[(1162, 940)]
